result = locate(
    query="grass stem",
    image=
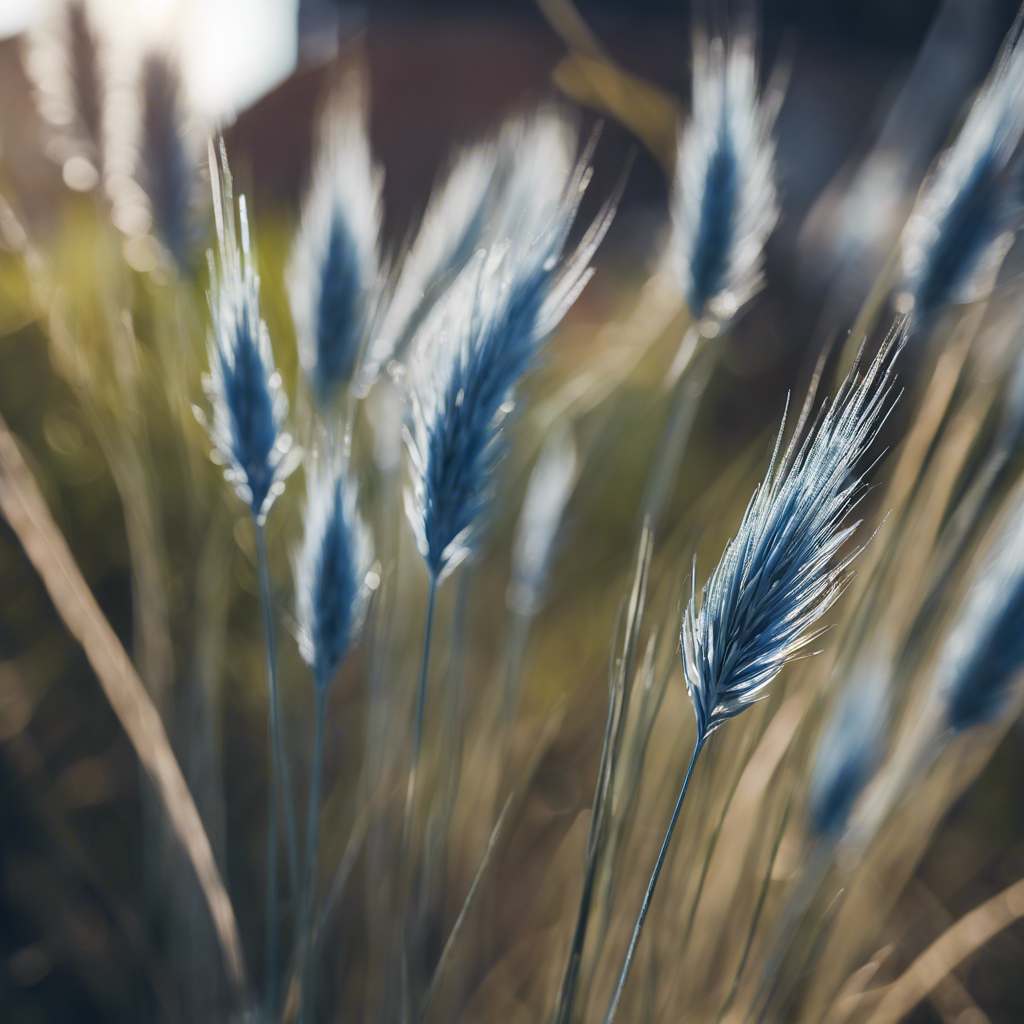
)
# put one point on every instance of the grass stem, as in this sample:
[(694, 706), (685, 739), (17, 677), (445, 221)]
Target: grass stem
[(280, 785), (646, 905)]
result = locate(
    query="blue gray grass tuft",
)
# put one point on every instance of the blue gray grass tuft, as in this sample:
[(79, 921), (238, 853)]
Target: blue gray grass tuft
[(334, 274), (333, 572), (469, 357), (511, 184), (782, 571), (242, 385), (724, 202)]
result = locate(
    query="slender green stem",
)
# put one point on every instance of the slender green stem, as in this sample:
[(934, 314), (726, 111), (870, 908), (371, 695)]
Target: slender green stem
[(417, 735), (406, 866), (280, 783), (309, 879), (614, 1004)]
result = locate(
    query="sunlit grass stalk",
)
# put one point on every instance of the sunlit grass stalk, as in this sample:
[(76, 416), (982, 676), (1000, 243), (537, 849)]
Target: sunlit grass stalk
[(649, 894), (306, 916), (280, 789)]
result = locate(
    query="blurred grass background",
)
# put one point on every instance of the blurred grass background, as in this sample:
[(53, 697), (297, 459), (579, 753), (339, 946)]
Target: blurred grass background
[(75, 936)]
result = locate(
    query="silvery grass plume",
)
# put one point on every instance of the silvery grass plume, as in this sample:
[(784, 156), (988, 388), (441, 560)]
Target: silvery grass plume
[(469, 358), (333, 572), (782, 571), (166, 165), (242, 385), (958, 232), (334, 274), (724, 201), (334, 578), (513, 183), (985, 649)]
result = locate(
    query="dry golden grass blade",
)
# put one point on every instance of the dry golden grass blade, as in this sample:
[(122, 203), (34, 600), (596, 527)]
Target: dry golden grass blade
[(948, 951), (589, 76), (25, 509)]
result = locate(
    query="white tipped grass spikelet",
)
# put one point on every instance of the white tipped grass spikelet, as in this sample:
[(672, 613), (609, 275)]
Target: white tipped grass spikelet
[(511, 187), (469, 358), (242, 385), (334, 274), (984, 650), (538, 153), (959, 230), (333, 571), (782, 571), (724, 200), (450, 232)]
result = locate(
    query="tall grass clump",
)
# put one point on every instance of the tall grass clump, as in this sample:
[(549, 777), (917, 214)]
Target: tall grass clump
[(490, 560), (781, 572)]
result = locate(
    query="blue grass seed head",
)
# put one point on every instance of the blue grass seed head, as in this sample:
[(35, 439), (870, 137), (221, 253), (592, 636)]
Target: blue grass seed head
[(242, 385), (167, 166), (784, 569), (334, 573), (850, 747), (984, 651), (724, 200), (452, 229), (334, 273), (960, 228)]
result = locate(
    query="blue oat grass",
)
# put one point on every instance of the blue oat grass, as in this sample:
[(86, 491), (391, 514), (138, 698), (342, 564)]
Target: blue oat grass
[(249, 409), (450, 232), (468, 359), (242, 385), (333, 579), (511, 186), (470, 356), (780, 574), (984, 651), (724, 200), (960, 228), (334, 274), (167, 168)]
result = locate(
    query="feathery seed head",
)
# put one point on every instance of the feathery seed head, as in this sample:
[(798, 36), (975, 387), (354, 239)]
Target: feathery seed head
[(550, 485), (334, 572), (468, 358), (335, 266), (954, 238), (985, 649), (512, 187), (850, 747), (242, 385), (783, 570), (451, 231), (724, 202)]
